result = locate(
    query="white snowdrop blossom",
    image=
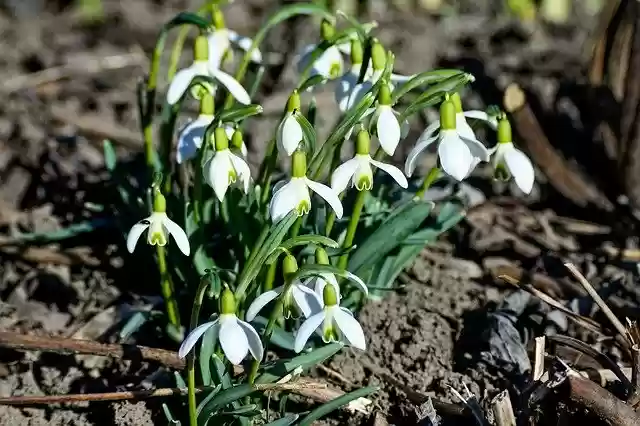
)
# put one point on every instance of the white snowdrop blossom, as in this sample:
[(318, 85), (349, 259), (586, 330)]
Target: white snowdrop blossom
[(388, 128), (358, 172), (458, 150), (237, 338), (294, 194), (225, 168), (330, 64), (289, 133), (510, 161), (333, 323), (202, 67), (221, 39), (159, 228)]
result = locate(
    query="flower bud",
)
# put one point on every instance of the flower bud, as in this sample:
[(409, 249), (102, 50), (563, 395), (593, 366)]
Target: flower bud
[(289, 266), (201, 48), (159, 203), (220, 138), (227, 302), (322, 258), (363, 143), (217, 17), (207, 104), (448, 115), (504, 130), (327, 30), (378, 56), (329, 295), (293, 103), (298, 164), (357, 53)]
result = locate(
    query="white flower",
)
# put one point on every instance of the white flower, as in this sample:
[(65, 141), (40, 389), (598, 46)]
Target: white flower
[(317, 284), (333, 323), (237, 338), (289, 133), (191, 137), (388, 128), (224, 168), (358, 172), (298, 299), (294, 195), (517, 164), (183, 78), (220, 40), (160, 227), (330, 64), (345, 86)]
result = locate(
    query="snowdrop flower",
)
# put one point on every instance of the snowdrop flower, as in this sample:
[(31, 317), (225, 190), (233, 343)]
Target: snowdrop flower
[(297, 298), (358, 170), (330, 64), (294, 195), (221, 39), (388, 127), (160, 227), (202, 67), (224, 168), (317, 284), (237, 338), (289, 133), (333, 323), (458, 150), (349, 80), (510, 161)]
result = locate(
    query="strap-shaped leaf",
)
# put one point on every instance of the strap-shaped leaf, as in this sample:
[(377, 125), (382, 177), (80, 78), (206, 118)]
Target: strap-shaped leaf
[(301, 240), (333, 405), (275, 371), (308, 133), (233, 115), (435, 94), (285, 421), (424, 78)]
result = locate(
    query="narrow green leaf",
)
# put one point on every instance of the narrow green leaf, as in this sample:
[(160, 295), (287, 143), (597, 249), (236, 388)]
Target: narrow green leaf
[(215, 391), (275, 371), (133, 324), (240, 113), (435, 94), (308, 133), (317, 270), (180, 383), (273, 239), (310, 82), (424, 78), (301, 240), (404, 220), (333, 405), (207, 348), (249, 410), (285, 421), (189, 18), (110, 157), (169, 416), (64, 233), (222, 399), (279, 337)]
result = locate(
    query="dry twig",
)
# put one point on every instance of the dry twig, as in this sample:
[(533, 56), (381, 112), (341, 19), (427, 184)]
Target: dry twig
[(503, 410), (601, 402)]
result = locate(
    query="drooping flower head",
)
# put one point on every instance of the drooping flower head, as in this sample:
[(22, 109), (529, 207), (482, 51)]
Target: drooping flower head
[(159, 228), (510, 161), (294, 194), (225, 168), (192, 134), (237, 338), (289, 133), (298, 299), (349, 80), (358, 172), (330, 64), (222, 38)]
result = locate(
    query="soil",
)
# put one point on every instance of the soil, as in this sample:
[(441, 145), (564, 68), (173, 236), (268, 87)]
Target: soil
[(52, 175)]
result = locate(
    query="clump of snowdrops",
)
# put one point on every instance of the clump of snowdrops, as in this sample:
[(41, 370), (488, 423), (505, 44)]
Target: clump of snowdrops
[(283, 260)]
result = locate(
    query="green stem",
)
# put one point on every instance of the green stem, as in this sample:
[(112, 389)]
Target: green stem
[(335, 162), (270, 159), (428, 181), (242, 281), (176, 52), (353, 226), (197, 188), (191, 357), (295, 229), (168, 291)]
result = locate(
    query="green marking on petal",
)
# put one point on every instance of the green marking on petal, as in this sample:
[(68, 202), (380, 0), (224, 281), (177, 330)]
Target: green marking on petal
[(501, 172), (158, 238), (335, 70), (329, 333), (303, 208), (233, 176), (364, 183)]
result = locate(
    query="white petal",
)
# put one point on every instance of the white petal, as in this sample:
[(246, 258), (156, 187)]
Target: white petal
[(393, 171), (350, 328), (283, 201), (262, 301), (481, 115), (398, 78), (178, 235), (233, 339), (245, 43), (358, 92), (330, 61), (344, 48), (243, 171), (135, 233), (412, 158), (477, 148), (208, 171), (180, 83), (342, 175), (218, 42), (521, 168), (463, 128), (191, 137), (289, 134), (454, 155), (306, 300), (193, 337), (306, 330), (255, 344), (328, 194), (344, 87), (220, 167), (388, 129), (232, 85)]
